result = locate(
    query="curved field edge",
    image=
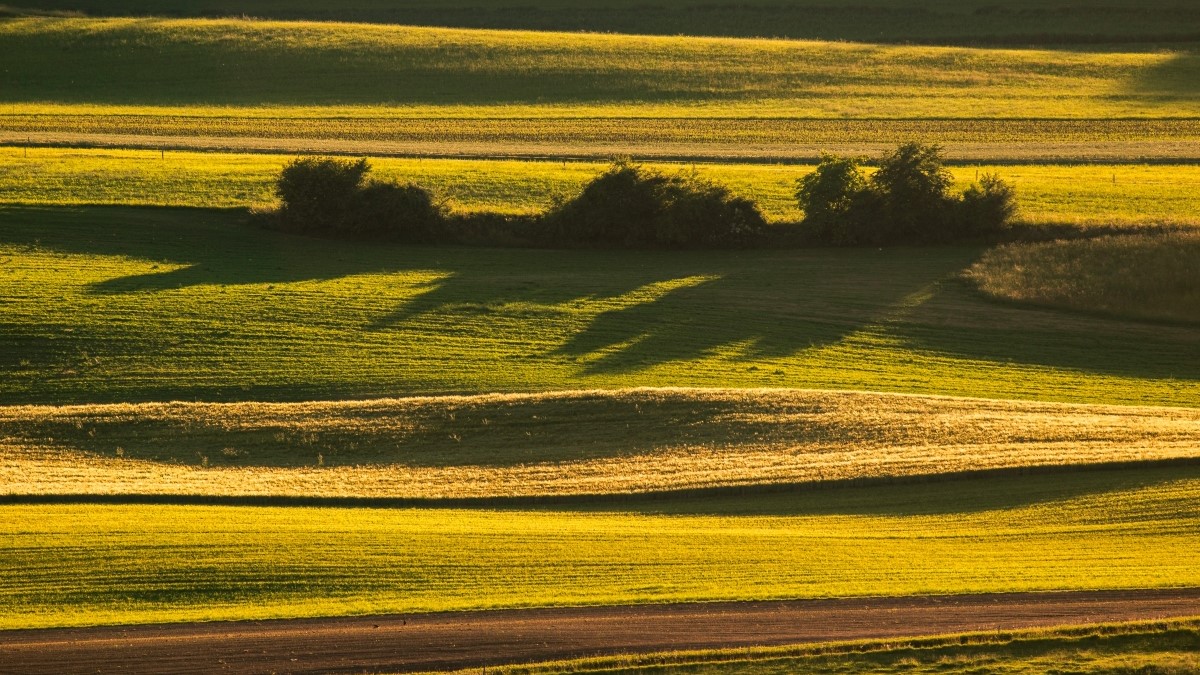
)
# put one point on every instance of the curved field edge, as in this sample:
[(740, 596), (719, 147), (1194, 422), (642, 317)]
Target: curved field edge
[(64, 565), (141, 304), (1164, 647), (574, 443)]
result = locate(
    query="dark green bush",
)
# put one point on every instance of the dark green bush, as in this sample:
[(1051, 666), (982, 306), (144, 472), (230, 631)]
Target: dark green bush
[(401, 212), (906, 201), (318, 194), (331, 197), (988, 206), (630, 206)]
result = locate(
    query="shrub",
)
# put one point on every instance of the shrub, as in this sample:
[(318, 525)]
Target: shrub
[(404, 212), (914, 189), (906, 201), (988, 206), (318, 194), (827, 194), (326, 196), (630, 206)]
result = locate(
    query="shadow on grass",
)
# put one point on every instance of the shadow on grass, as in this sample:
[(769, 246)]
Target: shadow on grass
[(615, 312)]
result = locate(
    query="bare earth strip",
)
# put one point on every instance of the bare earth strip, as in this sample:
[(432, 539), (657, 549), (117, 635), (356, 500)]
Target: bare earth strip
[(447, 641), (562, 443)]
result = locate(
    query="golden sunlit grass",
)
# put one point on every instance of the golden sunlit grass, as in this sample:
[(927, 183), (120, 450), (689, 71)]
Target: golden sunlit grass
[(565, 443), (80, 564), (1078, 195), (255, 63), (1162, 648), (1140, 277)]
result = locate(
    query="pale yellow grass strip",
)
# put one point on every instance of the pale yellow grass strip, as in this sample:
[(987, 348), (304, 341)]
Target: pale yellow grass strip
[(600, 442)]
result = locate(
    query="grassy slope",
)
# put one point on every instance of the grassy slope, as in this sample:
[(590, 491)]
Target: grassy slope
[(1019, 21), (1108, 195), (1167, 648), (112, 304), (1137, 277), (565, 443), (1076, 531), (122, 62)]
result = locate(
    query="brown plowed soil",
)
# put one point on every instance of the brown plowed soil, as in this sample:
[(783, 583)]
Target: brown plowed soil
[(446, 641)]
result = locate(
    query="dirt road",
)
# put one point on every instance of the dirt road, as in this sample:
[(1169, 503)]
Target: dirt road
[(417, 642)]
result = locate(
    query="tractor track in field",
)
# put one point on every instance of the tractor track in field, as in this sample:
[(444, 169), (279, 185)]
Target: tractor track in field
[(458, 640)]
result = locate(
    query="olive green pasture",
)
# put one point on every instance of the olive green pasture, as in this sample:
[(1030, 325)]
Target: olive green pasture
[(1012, 22), (143, 304), (1139, 277), (1123, 195), (83, 564), (220, 63)]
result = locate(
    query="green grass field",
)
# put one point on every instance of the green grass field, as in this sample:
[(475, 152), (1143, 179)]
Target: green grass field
[(72, 565), (129, 273), (318, 86), (1164, 648), (123, 304), (247, 63), (1016, 22), (1127, 195)]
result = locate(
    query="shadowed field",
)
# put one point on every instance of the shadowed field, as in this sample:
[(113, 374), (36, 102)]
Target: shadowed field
[(1018, 22), (108, 304)]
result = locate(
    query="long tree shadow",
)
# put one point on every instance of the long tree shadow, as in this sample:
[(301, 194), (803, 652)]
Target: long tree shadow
[(957, 320), (615, 312), (633, 310)]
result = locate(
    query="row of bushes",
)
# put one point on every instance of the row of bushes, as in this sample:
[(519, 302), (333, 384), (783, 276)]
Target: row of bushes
[(907, 200)]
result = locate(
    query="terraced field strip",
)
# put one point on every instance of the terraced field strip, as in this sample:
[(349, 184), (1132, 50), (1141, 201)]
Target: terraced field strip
[(680, 139), (70, 565), (452, 641), (1105, 195), (125, 304), (234, 63), (566, 443)]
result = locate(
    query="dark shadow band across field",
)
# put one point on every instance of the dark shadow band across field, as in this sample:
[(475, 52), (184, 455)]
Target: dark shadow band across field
[(179, 291)]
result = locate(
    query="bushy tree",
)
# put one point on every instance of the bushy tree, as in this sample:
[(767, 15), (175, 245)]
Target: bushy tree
[(906, 201), (988, 205), (913, 186), (827, 194), (332, 197), (631, 206), (318, 194)]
